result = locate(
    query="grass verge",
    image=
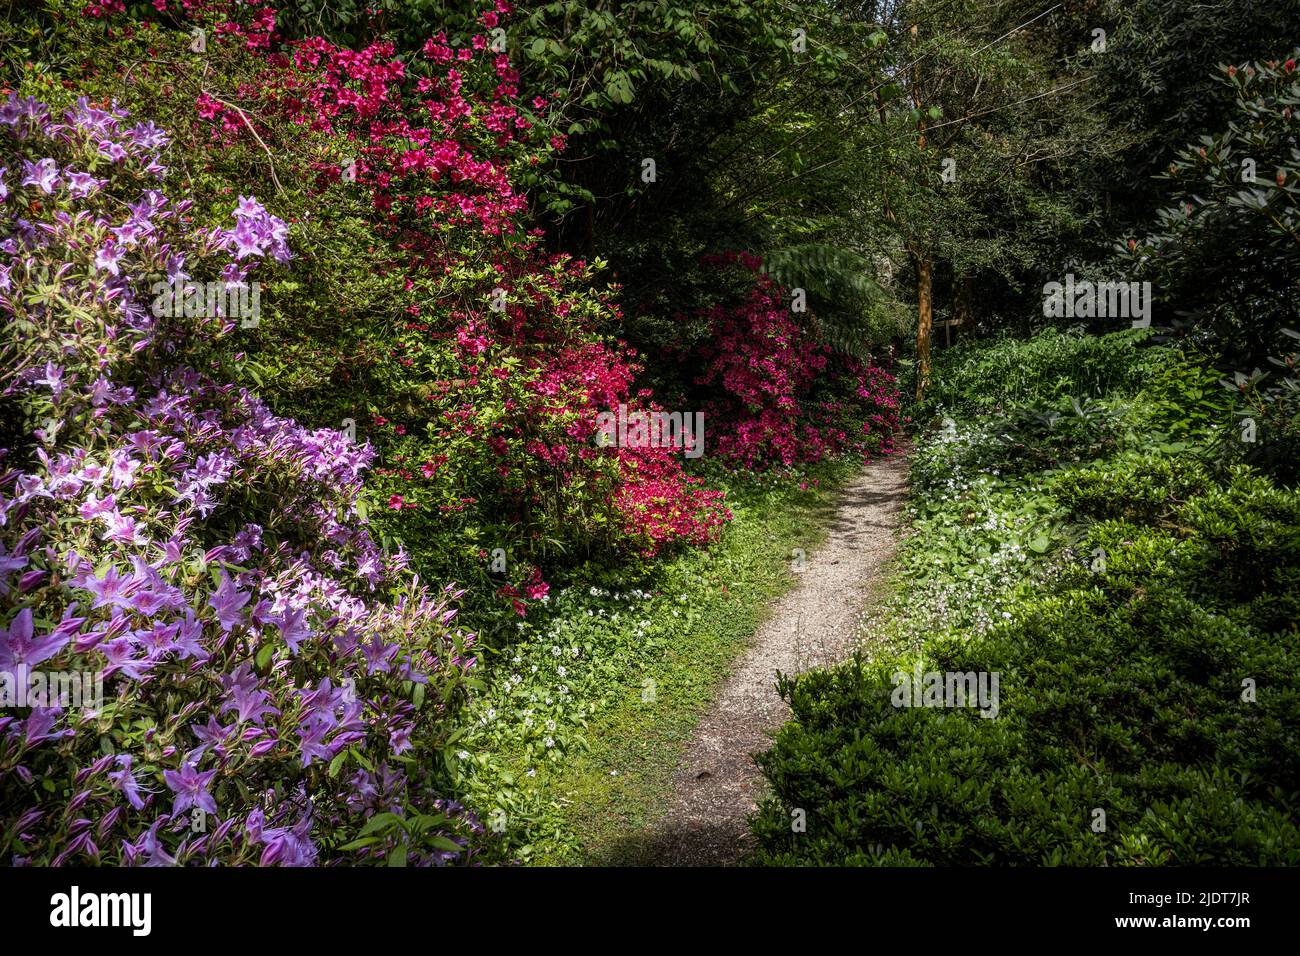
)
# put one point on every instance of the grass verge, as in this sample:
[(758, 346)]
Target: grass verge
[(568, 752)]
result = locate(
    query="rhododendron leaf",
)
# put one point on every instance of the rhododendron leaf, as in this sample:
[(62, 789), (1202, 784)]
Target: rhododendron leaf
[(381, 822), (442, 843), (337, 763), (427, 821), (358, 844), (361, 758)]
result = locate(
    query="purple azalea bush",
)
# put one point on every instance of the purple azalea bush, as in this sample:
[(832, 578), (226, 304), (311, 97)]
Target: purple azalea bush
[(273, 682)]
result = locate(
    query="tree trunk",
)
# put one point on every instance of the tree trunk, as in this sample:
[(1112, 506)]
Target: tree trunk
[(924, 322)]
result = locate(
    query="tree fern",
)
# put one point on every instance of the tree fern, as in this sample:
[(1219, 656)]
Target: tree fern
[(849, 304)]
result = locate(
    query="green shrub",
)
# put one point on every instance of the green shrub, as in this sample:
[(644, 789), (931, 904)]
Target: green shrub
[(1265, 431), (1050, 366), (1125, 686), (1137, 486), (1183, 401)]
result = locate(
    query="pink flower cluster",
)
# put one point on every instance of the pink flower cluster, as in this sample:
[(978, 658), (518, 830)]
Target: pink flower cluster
[(782, 397)]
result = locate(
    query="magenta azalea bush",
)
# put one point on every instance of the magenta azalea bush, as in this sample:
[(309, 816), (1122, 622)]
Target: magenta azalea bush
[(271, 677), (512, 415), (484, 405), (781, 396)]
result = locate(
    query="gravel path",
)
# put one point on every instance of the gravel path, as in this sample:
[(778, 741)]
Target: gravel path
[(717, 783)]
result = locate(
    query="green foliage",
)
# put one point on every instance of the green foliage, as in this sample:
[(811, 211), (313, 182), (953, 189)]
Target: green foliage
[(1156, 84), (1266, 430), (853, 312), (1181, 400), (1051, 365), (1140, 611), (1122, 694), (1224, 253), (576, 733), (1140, 487)]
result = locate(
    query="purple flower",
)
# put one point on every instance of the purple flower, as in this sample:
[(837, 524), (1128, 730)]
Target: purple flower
[(188, 636), (191, 788), (249, 703), (284, 846), (124, 780), (132, 231), (8, 564), (243, 695), (43, 174), (150, 846), (247, 239), (227, 600), (40, 723), (400, 739), (18, 645), (122, 529), (379, 655), (82, 185), (112, 149), (211, 732), (294, 629), (120, 656), (123, 468), (93, 507), (96, 122), (53, 379), (159, 640), (108, 258), (147, 136), (249, 207), (311, 743), (176, 273)]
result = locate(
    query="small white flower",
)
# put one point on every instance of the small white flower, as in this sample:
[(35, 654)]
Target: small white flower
[(462, 754)]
